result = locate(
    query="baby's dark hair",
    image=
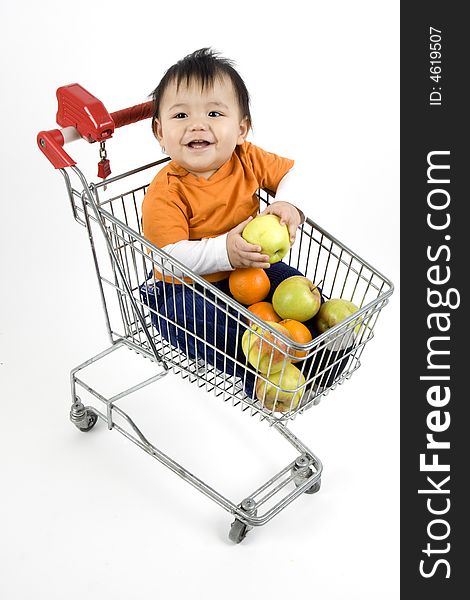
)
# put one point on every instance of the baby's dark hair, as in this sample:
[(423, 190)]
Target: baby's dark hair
[(203, 66)]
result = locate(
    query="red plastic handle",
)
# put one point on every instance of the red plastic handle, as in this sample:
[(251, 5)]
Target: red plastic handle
[(127, 116), (51, 145), (79, 109)]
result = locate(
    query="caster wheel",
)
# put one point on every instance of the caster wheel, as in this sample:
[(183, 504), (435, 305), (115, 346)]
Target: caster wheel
[(88, 422), (314, 488), (301, 474), (238, 531), (83, 418)]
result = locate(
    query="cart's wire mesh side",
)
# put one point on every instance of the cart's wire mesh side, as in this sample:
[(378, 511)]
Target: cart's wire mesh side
[(194, 346)]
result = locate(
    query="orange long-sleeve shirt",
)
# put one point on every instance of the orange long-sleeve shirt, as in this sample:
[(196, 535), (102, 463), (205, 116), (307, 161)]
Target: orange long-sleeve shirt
[(180, 206)]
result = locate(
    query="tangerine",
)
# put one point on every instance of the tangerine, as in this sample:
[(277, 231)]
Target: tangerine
[(249, 285), (300, 333), (265, 311)]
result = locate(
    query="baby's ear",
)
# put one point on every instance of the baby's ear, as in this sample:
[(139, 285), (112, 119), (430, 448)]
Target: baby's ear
[(244, 129), (157, 130)]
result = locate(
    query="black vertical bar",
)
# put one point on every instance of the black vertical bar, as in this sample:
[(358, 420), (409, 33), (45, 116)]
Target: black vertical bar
[(435, 262)]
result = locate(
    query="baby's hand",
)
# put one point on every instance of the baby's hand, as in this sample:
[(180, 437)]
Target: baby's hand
[(288, 214), (241, 253)]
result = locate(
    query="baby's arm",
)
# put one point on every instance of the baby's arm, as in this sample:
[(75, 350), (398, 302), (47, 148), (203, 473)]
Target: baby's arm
[(286, 211), (201, 256), (222, 253)]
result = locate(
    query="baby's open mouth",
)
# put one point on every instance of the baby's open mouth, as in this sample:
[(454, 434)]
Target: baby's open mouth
[(198, 144)]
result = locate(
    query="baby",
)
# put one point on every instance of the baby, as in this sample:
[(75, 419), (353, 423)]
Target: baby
[(198, 205)]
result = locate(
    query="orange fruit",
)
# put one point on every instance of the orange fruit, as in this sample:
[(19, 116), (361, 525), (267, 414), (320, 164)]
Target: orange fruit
[(265, 311), (249, 285), (300, 333)]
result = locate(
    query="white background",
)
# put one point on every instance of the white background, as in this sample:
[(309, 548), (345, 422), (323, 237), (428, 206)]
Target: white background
[(90, 515)]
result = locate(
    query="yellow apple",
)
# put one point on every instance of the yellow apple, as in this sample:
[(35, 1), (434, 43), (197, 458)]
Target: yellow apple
[(265, 352), (334, 311), (282, 391), (266, 231), (296, 298)]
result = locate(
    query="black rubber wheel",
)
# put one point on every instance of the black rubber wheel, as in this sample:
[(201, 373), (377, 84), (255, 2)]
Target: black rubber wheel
[(238, 531), (90, 422), (314, 488)]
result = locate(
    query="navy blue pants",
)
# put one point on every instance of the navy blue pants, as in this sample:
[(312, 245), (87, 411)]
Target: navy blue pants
[(180, 310)]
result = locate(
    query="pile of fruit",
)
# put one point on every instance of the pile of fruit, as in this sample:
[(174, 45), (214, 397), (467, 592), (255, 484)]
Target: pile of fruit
[(295, 301)]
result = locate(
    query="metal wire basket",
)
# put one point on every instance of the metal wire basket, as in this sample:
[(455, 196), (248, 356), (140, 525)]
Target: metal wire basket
[(218, 366)]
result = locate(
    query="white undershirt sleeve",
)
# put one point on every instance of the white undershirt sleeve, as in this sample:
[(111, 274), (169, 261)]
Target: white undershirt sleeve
[(201, 256)]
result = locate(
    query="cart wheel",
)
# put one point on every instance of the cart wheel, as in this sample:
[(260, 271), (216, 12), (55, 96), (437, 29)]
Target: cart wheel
[(83, 418), (313, 489), (89, 421), (301, 472), (238, 531)]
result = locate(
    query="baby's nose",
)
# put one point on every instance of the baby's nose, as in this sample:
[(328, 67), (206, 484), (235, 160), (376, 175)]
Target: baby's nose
[(198, 125)]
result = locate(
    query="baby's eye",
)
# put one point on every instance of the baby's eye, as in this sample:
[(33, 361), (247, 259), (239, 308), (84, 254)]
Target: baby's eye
[(215, 113), (180, 115)]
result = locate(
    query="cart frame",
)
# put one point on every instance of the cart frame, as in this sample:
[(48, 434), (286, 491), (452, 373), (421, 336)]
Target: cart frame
[(113, 226)]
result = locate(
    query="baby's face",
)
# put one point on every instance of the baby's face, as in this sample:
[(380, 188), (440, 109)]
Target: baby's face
[(198, 128)]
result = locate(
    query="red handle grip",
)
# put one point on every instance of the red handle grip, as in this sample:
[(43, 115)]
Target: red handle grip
[(127, 116)]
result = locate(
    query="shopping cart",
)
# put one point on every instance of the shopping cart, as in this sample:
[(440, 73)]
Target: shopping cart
[(140, 320)]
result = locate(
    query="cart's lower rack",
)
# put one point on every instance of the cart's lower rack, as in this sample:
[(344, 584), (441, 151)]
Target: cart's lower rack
[(304, 472)]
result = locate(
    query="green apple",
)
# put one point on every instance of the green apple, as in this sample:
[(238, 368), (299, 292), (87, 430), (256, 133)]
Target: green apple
[(334, 311), (264, 351), (283, 389), (296, 298), (266, 231)]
